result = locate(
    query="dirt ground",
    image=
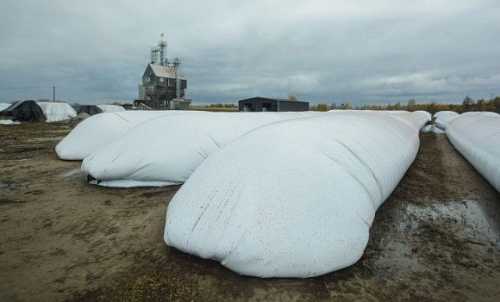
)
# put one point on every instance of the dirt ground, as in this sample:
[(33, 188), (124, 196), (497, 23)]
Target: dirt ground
[(437, 238)]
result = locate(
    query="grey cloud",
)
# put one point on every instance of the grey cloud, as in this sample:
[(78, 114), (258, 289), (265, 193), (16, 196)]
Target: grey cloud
[(322, 51)]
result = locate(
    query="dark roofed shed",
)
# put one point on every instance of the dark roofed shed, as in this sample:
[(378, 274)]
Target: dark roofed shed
[(257, 104), (25, 111)]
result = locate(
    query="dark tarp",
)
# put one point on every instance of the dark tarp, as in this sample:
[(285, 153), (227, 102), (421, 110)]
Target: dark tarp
[(25, 111), (90, 109)]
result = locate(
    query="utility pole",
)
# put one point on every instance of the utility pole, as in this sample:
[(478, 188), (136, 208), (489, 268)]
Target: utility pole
[(54, 93)]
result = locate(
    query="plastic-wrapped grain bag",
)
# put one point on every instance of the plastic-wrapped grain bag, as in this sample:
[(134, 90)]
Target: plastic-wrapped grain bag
[(416, 119), (420, 118), (166, 151), (442, 118), (111, 108), (56, 112), (476, 135), (4, 106), (293, 199), (432, 129), (101, 129), (427, 129), (9, 122), (437, 130)]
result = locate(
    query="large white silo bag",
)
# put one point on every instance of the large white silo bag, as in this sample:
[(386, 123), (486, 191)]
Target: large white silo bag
[(293, 199), (111, 108), (166, 151), (102, 129), (476, 135), (56, 111), (442, 118)]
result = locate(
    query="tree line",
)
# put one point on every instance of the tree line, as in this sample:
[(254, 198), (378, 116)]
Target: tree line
[(467, 105)]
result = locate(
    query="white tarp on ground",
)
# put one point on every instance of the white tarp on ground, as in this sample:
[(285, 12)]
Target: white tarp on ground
[(476, 135), (442, 118), (167, 151), (56, 112), (417, 118), (433, 129), (427, 129), (111, 108), (293, 199), (4, 106), (102, 129), (9, 122)]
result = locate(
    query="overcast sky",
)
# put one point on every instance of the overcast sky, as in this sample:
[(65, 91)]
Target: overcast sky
[(328, 51)]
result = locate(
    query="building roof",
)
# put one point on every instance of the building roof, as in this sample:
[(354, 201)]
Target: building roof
[(163, 71), (270, 99)]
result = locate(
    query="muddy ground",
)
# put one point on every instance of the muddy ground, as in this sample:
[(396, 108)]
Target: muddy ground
[(435, 239)]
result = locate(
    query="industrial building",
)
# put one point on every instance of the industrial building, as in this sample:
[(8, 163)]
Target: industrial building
[(257, 104), (162, 86)]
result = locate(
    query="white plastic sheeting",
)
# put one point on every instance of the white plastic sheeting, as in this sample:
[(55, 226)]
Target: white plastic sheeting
[(166, 151), (4, 106), (296, 198), (416, 119), (476, 135), (433, 129), (9, 122), (56, 112), (111, 108), (427, 129), (102, 129), (442, 118)]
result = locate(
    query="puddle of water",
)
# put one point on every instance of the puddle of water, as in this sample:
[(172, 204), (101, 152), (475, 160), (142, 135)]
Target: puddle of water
[(7, 185), (397, 257), (47, 139), (467, 219), (71, 173)]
